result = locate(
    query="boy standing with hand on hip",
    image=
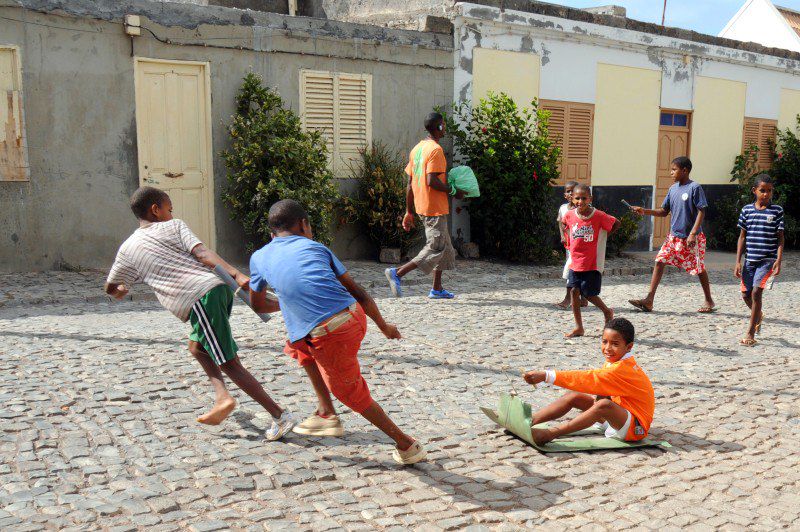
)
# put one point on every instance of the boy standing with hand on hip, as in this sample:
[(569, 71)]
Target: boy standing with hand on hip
[(685, 246), (427, 194), (325, 313)]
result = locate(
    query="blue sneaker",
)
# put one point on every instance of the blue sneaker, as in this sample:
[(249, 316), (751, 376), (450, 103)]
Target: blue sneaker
[(441, 294), (394, 281)]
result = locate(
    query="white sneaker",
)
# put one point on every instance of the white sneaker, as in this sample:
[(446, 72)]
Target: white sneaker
[(280, 427), (412, 455), (320, 426)]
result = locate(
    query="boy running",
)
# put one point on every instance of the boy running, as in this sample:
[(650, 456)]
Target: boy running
[(427, 194), (761, 225), (165, 254), (624, 402), (587, 230), (325, 313), (562, 230), (685, 246)]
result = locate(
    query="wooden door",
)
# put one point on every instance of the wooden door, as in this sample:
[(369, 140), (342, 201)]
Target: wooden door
[(174, 138), (673, 141)]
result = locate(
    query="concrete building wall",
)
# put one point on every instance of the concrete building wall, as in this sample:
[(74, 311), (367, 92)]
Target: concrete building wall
[(81, 121), (574, 53)]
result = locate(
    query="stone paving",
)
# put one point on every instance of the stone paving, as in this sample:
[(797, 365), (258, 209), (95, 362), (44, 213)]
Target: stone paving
[(99, 401)]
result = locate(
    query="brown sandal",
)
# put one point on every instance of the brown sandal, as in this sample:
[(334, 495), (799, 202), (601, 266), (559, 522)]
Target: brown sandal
[(749, 342), (639, 303)]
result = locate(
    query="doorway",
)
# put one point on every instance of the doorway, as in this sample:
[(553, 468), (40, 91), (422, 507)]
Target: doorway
[(173, 130), (673, 141)]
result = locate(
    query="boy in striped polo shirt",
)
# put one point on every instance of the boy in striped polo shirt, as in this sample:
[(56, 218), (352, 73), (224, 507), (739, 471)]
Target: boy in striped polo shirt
[(761, 236), (166, 255)]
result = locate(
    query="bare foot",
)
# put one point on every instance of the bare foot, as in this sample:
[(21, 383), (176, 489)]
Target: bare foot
[(578, 331), (217, 415), (564, 305), (608, 316), (542, 436), (584, 302)]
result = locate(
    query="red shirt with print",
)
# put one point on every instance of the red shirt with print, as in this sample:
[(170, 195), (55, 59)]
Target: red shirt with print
[(587, 239)]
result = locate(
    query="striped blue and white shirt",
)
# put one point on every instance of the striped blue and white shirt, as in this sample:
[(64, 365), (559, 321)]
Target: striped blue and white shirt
[(761, 228)]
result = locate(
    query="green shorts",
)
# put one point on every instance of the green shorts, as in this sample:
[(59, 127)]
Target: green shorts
[(210, 325)]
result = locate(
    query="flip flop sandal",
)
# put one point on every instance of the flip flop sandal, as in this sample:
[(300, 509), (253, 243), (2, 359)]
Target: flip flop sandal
[(706, 310), (748, 342), (638, 303)]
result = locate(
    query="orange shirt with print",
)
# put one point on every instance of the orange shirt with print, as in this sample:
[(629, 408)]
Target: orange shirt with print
[(427, 157), (623, 381)]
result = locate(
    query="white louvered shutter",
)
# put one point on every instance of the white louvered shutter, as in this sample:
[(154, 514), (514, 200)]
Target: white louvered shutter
[(339, 106)]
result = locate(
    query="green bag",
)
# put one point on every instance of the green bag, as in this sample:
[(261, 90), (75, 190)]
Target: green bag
[(463, 178)]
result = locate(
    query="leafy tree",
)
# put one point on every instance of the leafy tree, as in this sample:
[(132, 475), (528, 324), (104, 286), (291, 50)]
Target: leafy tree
[(515, 162), (272, 158), (380, 201), (786, 171)]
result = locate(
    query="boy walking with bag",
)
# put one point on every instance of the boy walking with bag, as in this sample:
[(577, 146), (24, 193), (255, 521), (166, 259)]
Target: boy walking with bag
[(427, 194), (165, 254), (685, 246), (325, 313)]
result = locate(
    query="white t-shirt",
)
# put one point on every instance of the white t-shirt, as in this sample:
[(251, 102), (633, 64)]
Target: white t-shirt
[(160, 254), (562, 211)]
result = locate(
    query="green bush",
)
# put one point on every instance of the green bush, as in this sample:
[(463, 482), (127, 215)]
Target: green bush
[(622, 237), (380, 201), (272, 158), (515, 162), (786, 171), (725, 233)]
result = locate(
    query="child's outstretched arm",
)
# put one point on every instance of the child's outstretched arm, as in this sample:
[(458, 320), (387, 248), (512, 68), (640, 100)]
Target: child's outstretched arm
[(601, 381), (211, 259), (659, 213), (370, 307), (737, 270)]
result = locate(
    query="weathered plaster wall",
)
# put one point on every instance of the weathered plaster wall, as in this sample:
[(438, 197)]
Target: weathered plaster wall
[(80, 113)]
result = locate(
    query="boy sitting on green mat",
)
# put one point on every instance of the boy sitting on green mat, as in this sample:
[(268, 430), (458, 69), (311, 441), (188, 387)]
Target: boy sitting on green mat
[(625, 400)]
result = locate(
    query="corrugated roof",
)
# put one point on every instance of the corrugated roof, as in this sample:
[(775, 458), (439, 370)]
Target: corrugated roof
[(791, 16)]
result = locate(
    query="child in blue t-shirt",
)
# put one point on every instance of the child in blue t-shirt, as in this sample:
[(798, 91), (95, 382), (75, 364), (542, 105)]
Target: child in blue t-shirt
[(761, 235), (325, 313), (685, 245)]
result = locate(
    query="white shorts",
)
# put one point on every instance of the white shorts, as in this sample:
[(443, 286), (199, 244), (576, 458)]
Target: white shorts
[(620, 434), (567, 264)]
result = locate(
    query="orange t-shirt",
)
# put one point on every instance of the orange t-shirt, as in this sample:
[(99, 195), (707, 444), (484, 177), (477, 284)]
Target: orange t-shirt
[(623, 381), (427, 157)]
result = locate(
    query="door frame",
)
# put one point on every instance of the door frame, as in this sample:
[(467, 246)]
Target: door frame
[(681, 129), (209, 150)]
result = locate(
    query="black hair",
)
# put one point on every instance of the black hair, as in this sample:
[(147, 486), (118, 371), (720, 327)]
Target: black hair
[(144, 198), (623, 327), (285, 214), (763, 178), (572, 184), (581, 186), (684, 163), (433, 122)]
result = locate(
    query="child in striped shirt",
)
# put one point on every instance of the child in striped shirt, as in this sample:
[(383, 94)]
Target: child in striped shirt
[(165, 254), (761, 241)]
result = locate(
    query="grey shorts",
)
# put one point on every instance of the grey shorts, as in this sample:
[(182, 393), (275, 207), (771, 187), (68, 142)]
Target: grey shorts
[(438, 253)]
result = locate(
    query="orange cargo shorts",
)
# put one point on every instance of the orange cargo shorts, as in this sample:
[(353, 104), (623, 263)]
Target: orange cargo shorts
[(336, 356)]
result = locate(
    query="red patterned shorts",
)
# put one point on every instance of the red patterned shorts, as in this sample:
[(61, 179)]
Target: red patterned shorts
[(676, 252)]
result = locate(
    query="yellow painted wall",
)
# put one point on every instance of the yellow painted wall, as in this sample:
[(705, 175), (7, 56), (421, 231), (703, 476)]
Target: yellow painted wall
[(515, 73), (626, 116), (790, 108), (717, 121)]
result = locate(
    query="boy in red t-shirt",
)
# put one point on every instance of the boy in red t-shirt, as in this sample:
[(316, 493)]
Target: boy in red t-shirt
[(587, 229)]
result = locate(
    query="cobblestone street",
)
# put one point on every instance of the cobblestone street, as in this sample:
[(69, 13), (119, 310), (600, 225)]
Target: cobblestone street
[(100, 400)]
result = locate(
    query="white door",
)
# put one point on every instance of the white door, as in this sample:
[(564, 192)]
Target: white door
[(174, 138)]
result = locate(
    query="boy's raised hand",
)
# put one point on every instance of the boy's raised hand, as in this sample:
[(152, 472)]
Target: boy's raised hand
[(534, 377), (391, 331)]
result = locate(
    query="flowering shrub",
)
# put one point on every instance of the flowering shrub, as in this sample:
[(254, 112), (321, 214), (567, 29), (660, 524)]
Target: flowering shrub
[(515, 162), (272, 158), (786, 171)]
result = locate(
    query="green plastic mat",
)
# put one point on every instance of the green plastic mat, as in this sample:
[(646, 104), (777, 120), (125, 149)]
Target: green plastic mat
[(515, 416)]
